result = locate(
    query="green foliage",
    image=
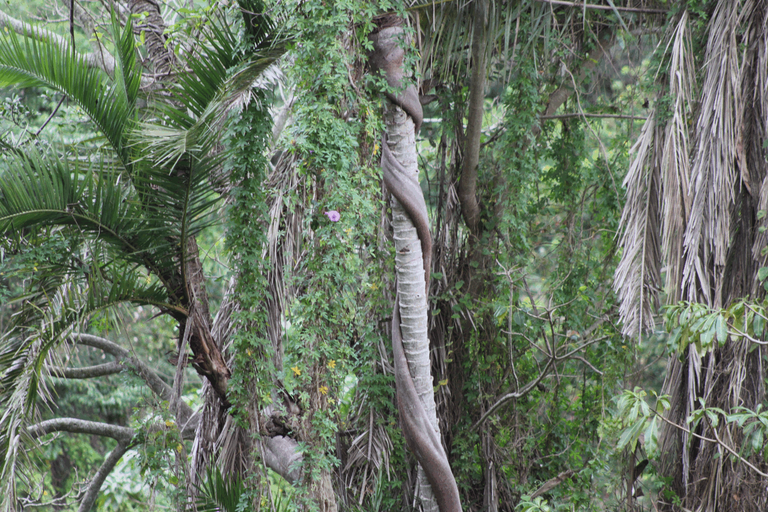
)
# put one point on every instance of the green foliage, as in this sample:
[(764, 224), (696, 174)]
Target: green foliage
[(220, 494), (80, 238), (125, 490), (28, 62), (637, 418), (87, 230), (537, 504), (704, 329), (247, 137), (755, 429)]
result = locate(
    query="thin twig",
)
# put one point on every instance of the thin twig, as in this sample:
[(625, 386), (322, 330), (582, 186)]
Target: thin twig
[(716, 441), (601, 116), (50, 116), (509, 396), (72, 25), (605, 7)]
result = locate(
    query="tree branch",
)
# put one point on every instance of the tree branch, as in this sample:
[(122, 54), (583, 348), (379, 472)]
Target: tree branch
[(517, 394), (716, 441), (467, 187), (281, 455), (605, 7), (553, 482), (104, 59), (78, 426), (562, 93), (155, 383), (41, 34), (98, 479), (86, 372), (600, 116)]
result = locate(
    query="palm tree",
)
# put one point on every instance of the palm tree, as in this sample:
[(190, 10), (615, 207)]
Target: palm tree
[(696, 189), (134, 207)]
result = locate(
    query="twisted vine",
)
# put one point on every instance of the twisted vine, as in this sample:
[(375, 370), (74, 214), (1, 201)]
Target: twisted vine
[(419, 434)]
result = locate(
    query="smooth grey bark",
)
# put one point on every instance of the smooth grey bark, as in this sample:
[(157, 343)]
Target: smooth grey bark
[(98, 479), (86, 372), (155, 383), (78, 426), (411, 283)]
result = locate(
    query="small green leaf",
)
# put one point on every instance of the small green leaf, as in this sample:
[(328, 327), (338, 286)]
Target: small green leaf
[(758, 326), (762, 273), (721, 327)]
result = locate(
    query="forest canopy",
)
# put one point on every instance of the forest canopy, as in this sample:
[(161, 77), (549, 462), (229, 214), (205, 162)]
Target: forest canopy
[(346, 256)]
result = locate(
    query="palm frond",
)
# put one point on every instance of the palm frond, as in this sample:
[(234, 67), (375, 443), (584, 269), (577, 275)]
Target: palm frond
[(714, 172), (637, 275), (675, 162), (18, 404), (25, 352), (127, 71), (44, 190), (218, 80), (220, 494), (757, 110), (27, 61)]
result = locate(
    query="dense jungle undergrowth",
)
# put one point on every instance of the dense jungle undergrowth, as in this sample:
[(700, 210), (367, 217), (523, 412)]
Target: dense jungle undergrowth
[(209, 209)]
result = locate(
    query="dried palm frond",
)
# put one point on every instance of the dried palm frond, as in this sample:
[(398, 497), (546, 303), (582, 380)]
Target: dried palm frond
[(284, 239), (638, 274), (756, 95), (366, 456), (675, 163), (207, 433), (728, 187), (714, 174)]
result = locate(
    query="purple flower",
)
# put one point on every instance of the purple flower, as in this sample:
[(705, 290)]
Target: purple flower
[(333, 215)]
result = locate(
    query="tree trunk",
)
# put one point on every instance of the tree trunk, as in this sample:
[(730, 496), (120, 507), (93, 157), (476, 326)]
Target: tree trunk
[(436, 486), (411, 281)]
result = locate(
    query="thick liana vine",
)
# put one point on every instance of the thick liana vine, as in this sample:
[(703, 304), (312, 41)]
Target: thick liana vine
[(420, 433)]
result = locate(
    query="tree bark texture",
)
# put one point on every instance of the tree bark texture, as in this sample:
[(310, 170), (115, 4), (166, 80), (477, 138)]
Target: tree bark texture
[(98, 479), (467, 187), (437, 488)]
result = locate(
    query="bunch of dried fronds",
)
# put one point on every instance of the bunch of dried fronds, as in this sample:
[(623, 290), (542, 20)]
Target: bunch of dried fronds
[(695, 190)]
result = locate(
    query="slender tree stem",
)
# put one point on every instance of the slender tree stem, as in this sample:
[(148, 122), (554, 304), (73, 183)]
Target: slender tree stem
[(51, 116), (604, 7), (599, 116)]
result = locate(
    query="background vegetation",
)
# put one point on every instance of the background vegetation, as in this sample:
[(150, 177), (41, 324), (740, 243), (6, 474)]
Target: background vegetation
[(165, 233)]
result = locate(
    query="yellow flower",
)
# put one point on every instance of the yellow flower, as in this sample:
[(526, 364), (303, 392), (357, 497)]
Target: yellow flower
[(179, 447), (296, 371), (323, 390), (332, 364), (169, 423)]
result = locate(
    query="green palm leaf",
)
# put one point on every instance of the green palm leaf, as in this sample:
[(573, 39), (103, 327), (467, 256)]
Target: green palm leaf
[(218, 78), (220, 494), (44, 190), (25, 351), (28, 62)]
